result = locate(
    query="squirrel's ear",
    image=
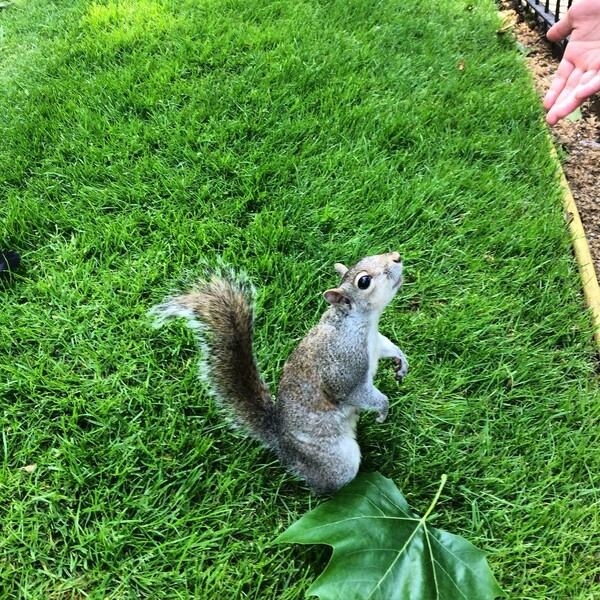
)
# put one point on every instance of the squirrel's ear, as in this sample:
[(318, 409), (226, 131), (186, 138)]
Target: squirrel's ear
[(336, 296), (341, 269)]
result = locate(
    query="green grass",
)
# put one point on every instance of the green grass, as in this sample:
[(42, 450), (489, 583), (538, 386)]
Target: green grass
[(139, 138)]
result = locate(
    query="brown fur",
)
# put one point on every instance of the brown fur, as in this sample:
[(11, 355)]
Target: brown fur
[(326, 381)]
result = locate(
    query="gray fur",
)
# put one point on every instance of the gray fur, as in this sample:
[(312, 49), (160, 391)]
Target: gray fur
[(326, 381)]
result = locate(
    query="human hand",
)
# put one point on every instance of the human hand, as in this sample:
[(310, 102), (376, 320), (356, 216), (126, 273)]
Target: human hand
[(578, 74)]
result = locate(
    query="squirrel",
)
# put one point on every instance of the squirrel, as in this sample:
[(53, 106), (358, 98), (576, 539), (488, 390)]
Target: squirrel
[(326, 380)]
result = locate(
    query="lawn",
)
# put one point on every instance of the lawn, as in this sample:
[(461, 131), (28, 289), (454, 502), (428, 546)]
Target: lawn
[(139, 138)]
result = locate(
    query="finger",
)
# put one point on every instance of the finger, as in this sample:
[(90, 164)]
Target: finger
[(566, 102), (559, 31), (553, 93), (563, 74), (563, 108), (569, 86), (588, 87), (586, 78)]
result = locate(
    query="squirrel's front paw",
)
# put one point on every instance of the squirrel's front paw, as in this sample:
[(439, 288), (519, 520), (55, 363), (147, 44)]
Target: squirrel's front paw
[(383, 409), (400, 366), (382, 415)]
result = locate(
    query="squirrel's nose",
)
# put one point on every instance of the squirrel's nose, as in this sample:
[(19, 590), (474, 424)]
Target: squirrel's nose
[(396, 257)]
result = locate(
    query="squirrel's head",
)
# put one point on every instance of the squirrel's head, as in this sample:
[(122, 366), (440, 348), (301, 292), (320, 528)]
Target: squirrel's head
[(369, 285)]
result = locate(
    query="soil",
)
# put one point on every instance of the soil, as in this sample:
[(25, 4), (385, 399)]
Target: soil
[(579, 139)]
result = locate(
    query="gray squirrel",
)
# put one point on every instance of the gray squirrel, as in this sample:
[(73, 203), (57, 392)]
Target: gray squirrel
[(326, 380)]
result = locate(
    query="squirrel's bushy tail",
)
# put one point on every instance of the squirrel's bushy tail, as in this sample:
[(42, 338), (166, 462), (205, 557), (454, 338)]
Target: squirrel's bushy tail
[(220, 309)]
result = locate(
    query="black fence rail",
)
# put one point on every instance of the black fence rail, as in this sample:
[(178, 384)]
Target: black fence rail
[(546, 13)]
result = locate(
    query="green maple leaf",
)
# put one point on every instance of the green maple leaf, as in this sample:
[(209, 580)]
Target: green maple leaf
[(383, 551)]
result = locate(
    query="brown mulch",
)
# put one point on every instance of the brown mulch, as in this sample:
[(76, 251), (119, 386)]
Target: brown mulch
[(579, 139)]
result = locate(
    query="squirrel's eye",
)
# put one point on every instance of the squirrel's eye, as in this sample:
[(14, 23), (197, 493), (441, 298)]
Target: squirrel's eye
[(364, 282)]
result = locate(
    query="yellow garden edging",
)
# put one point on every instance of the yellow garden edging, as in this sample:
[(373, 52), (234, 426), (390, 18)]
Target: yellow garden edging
[(581, 248)]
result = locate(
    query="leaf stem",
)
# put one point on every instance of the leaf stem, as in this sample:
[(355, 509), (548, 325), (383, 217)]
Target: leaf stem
[(437, 497)]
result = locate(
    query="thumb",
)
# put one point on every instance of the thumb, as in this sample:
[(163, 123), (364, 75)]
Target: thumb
[(559, 31)]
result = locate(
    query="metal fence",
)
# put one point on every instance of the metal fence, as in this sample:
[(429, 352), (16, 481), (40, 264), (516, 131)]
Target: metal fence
[(546, 13)]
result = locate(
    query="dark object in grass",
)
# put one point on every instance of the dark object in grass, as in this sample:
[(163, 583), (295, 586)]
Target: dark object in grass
[(9, 261)]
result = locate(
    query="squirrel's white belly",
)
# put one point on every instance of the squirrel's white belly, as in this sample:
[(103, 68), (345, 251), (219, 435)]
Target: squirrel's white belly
[(374, 350), (348, 452)]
